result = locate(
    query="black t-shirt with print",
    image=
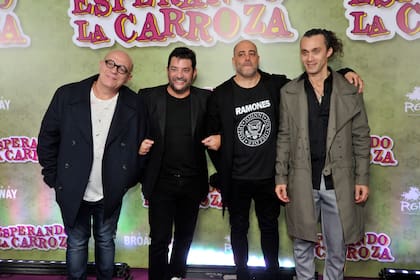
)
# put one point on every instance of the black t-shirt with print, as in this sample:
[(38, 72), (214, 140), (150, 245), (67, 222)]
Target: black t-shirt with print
[(254, 137)]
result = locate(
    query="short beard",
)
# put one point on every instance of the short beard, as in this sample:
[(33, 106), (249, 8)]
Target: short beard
[(180, 91), (249, 74)]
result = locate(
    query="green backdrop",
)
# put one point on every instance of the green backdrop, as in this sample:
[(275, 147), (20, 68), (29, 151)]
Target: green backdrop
[(380, 43)]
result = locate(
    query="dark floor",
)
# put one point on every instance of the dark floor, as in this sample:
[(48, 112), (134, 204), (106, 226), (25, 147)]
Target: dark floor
[(136, 274), (47, 270)]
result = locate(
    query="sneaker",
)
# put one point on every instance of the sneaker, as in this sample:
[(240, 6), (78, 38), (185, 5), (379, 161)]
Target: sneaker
[(176, 278)]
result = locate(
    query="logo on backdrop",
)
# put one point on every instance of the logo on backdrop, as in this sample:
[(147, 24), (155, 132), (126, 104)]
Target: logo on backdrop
[(137, 240), (29, 237), (11, 32), (374, 246), (4, 104), (7, 193), (18, 149), (412, 105), (99, 24), (410, 201), (212, 200), (374, 21), (381, 151)]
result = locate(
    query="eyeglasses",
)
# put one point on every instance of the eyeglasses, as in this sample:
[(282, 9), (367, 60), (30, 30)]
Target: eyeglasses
[(120, 68)]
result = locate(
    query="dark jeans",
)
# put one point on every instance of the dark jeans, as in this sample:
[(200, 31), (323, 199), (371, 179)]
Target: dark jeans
[(267, 209), (78, 240), (174, 203)]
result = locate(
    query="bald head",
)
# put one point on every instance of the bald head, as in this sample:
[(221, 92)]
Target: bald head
[(121, 57), (247, 44)]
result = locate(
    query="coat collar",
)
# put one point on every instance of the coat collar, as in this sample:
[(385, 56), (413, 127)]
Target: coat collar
[(343, 103), (80, 106), (161, 107)]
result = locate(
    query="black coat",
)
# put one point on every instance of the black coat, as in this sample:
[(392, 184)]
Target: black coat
[(221, 121), (155, 103), (65, 147)]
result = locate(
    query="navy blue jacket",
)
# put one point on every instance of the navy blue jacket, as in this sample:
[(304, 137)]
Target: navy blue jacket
[(65, 147)]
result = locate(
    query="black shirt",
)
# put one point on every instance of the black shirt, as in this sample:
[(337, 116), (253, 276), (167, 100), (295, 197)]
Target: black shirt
[(318, 114), (178, 158)]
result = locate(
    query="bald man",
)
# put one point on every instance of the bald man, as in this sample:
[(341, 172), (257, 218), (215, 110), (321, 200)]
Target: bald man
[(87, 146), (244, 110)]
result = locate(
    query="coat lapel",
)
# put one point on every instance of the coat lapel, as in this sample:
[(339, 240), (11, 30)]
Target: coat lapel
[(228, 104), (161, 108), (195, 107), (298, 99), (81, 112), (124, 111), (342, 107)]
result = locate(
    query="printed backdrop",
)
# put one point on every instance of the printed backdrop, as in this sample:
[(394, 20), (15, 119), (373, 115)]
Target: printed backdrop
[(44, 44)]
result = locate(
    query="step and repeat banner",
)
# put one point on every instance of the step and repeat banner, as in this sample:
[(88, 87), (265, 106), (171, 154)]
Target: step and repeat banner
[(45, 44)]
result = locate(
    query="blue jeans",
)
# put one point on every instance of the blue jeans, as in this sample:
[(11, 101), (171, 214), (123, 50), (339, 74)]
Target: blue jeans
[(78, 241)]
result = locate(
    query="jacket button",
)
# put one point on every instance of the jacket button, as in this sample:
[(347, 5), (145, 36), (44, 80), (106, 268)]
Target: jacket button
[(73, 142), (59, 188), (326, 171), (124, 167), (67, 165), (122, 144)]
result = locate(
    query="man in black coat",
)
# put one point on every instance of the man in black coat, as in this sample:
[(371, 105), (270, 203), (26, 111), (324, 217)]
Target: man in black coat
[(176, 178), (88, 148)]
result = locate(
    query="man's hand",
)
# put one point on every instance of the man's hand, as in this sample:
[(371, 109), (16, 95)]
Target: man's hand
[(212, 142), (281, 191), (354, 79), (145, 146), (361, 193)]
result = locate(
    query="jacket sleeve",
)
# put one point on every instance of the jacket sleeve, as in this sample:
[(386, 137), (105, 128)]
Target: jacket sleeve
[(143, 132), (213, 116), (145, 121), (213, 125), (361, 144), (49, 141), (283, 144)]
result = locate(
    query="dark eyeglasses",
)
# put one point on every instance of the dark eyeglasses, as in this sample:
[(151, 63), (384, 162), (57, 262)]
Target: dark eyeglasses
[(120, 68)]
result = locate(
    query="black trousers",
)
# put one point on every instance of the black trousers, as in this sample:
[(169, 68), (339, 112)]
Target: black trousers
[(173, 207), (267, 209)]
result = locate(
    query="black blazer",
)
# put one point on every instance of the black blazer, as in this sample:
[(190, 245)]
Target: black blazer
[(155, 102), (65, 147)]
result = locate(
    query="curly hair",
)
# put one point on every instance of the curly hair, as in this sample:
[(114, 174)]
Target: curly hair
[(331, 40)]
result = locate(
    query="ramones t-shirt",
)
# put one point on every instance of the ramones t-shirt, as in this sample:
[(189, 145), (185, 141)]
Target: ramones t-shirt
[(254, 137)]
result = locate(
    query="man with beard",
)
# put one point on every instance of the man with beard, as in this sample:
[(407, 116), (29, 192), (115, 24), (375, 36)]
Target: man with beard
[(244, 110), (176, 178)]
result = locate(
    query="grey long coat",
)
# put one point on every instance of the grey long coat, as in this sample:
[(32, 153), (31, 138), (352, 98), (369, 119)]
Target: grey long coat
[(348, 150)]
